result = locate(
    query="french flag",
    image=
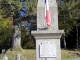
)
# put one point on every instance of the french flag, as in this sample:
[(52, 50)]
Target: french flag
[(47, 13)]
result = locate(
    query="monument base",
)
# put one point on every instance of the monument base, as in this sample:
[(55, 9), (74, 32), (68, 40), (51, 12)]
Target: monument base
[(48, 44)]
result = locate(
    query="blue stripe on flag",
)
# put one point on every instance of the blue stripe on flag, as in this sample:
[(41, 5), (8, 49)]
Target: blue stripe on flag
[(62, 0), (44, 1)]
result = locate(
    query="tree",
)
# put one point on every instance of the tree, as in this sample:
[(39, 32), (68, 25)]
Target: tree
[(68, 15), (10, 8), (5, 33)]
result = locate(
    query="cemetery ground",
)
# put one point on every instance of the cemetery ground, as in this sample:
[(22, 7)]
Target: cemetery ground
[(30, 54)]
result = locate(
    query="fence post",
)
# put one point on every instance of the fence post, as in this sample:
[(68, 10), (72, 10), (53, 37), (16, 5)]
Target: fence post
[(18, 57), (5, 57)]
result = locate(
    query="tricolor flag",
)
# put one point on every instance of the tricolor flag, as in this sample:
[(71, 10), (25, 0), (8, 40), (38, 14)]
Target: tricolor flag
[(47, 13)]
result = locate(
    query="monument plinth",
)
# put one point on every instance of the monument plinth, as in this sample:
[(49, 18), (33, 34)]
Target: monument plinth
[(47, 39)]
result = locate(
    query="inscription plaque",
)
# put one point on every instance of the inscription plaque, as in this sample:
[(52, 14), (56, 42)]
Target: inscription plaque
[(47, 50)]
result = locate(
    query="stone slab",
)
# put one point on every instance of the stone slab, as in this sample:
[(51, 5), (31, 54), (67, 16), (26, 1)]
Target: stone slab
[(47, 50), (47, 34), (54, 41)]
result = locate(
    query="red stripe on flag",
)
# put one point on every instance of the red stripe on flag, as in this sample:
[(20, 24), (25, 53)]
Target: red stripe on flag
[(48, 18)]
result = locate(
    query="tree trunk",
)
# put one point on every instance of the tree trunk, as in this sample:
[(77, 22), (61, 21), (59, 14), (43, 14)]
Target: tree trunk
[(16, 38), (64, 41)]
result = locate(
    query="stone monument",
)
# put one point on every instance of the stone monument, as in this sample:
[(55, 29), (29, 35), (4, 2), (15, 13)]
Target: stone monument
[(47, 39)]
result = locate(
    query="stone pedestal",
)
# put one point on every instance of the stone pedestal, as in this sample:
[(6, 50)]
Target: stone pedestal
[(51, 36)]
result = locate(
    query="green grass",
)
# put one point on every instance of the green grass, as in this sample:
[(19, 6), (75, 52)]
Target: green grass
[(65, 55), (69, 54), (30, 54)]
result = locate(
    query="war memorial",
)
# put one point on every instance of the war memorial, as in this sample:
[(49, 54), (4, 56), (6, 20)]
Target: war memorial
[(47, 38)]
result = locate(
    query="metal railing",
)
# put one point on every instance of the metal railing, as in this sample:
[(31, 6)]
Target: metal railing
[(18, 57)]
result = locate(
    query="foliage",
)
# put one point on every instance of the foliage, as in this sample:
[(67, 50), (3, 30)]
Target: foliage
[(9, 8), (27, 39), (5, 34), (68, 15), (32, 4)]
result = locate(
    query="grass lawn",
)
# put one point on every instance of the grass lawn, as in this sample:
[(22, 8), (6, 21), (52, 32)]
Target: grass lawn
[(30, 54), (69, 55)]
